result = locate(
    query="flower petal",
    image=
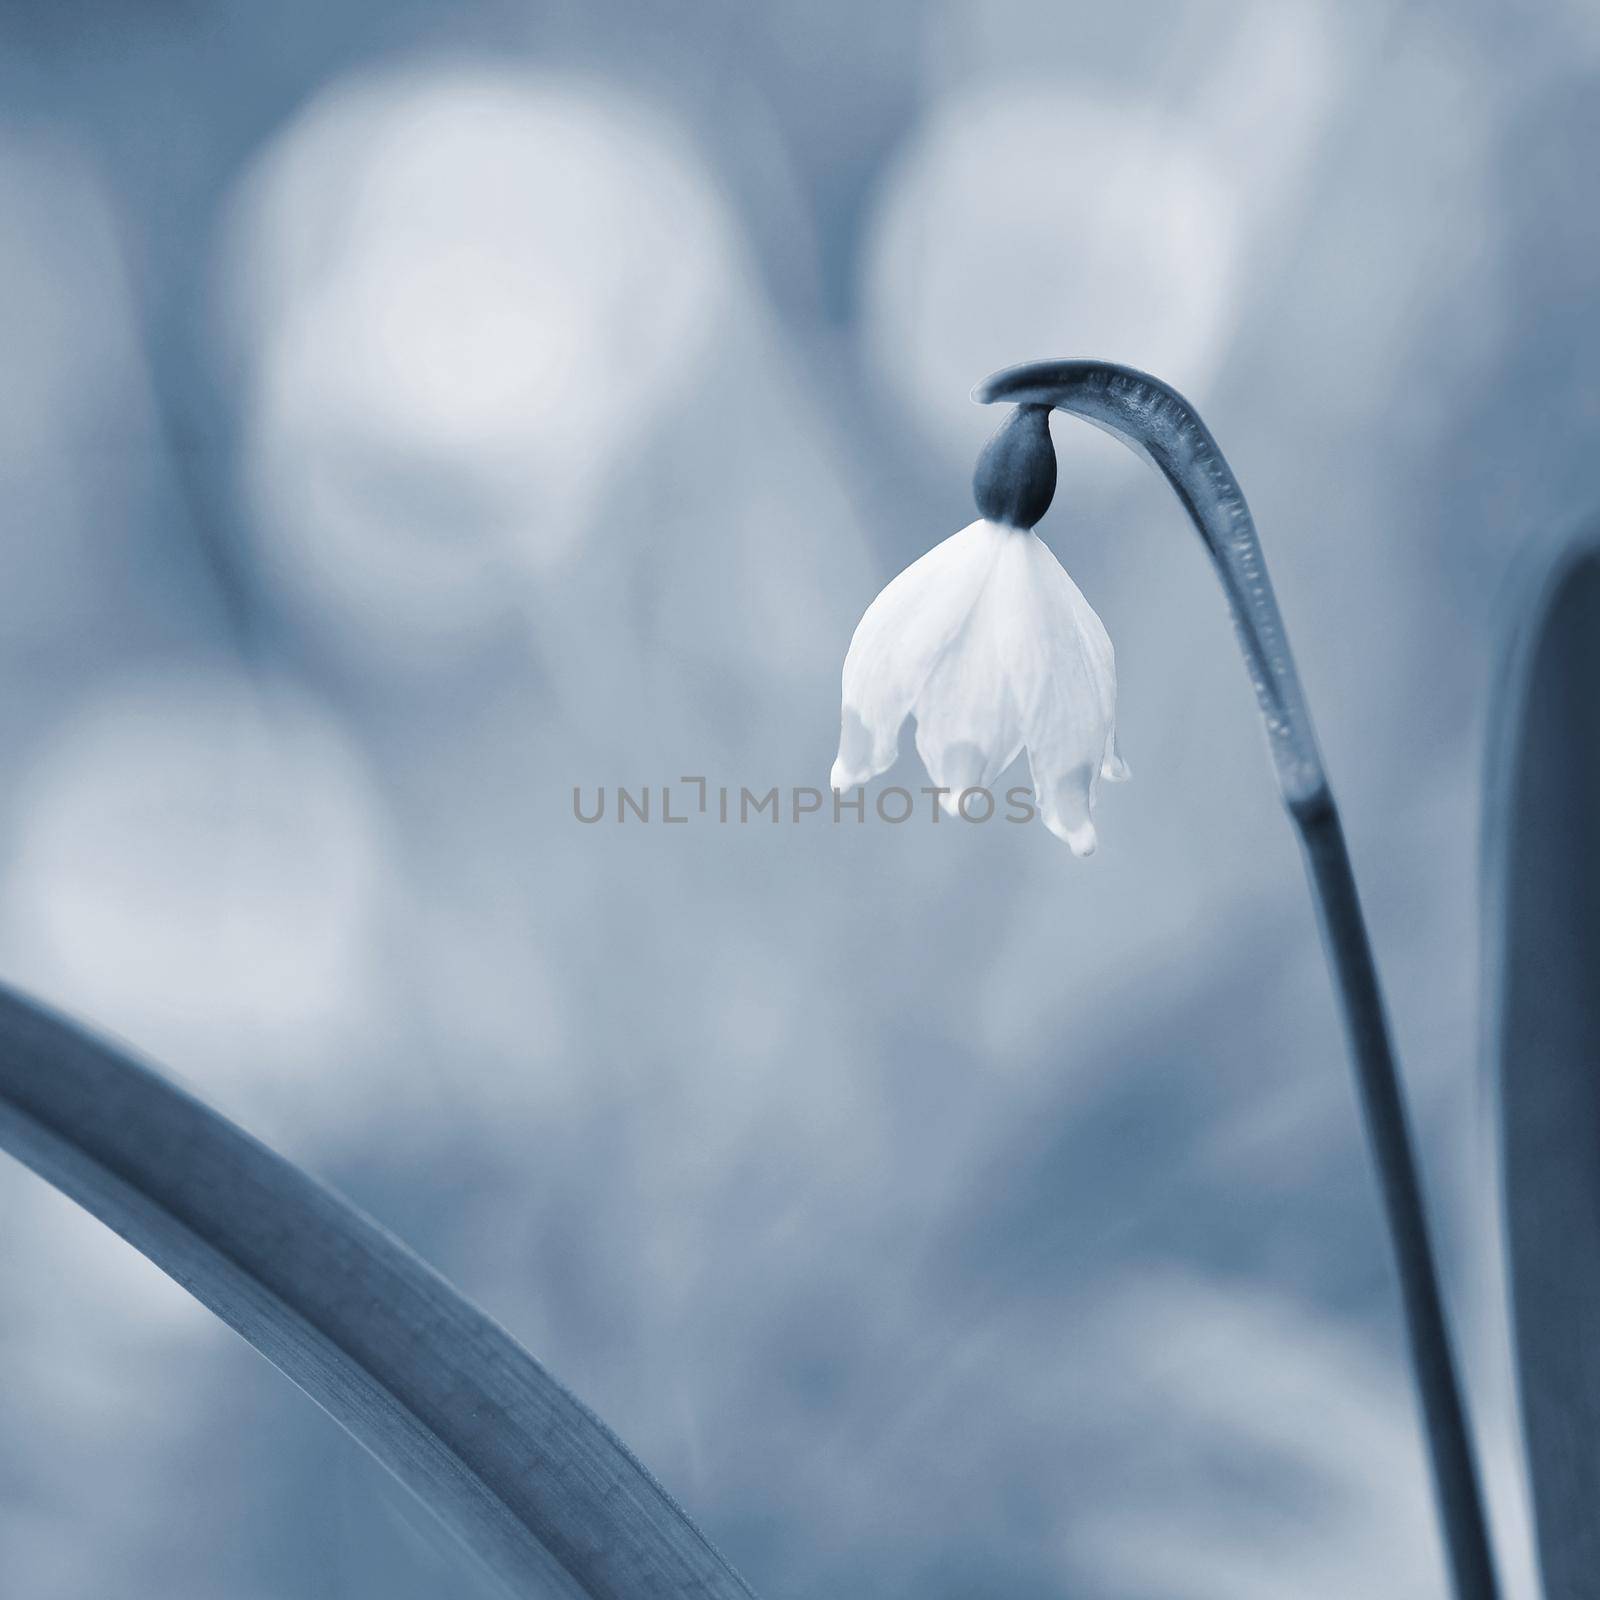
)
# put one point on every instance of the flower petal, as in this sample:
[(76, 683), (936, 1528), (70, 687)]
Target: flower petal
[(969, 728), (1062, 673), (1066, 803), (899, 640)]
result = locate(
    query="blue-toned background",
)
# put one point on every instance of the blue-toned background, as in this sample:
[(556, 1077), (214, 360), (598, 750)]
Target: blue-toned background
[(410, 413)]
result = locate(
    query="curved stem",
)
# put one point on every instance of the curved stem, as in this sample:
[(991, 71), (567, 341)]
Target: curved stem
[(531, 1481), (1159, 424)]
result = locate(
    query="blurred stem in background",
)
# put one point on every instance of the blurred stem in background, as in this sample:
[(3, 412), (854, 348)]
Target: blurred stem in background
[(1160, 425), (166, 278)]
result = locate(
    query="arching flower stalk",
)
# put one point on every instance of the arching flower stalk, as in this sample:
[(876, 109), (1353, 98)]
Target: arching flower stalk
[(958, 638)]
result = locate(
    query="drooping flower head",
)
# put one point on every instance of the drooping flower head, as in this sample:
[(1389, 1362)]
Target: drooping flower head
[(994, 650)]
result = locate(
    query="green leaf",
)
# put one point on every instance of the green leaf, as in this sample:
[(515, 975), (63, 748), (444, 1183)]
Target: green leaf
[(532, 1482), (1543, 848)]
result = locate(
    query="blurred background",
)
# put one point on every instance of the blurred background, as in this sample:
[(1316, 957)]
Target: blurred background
[(412, 413)]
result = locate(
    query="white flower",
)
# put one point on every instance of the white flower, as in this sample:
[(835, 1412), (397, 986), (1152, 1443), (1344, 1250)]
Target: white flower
[(992, 646)]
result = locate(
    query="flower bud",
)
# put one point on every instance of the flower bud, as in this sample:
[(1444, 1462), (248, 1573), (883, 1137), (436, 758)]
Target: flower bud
[(1015, 478)]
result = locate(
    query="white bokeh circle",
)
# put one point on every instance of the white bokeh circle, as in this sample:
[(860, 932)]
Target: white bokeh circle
[(453, 296), (197, 865), (1032, 224)]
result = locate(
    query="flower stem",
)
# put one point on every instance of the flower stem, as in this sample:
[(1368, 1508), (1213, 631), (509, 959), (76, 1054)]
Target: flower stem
[(1159, 424), (1344, 934)]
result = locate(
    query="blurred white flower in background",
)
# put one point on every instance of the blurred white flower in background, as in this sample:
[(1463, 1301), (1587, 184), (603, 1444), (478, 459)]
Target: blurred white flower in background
[(994, 648), (1022, 223), (74, 413), (457, 294), (198, 864)]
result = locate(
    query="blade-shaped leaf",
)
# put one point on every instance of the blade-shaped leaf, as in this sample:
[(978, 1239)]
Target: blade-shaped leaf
[(531, 1481), (1544, 858)]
